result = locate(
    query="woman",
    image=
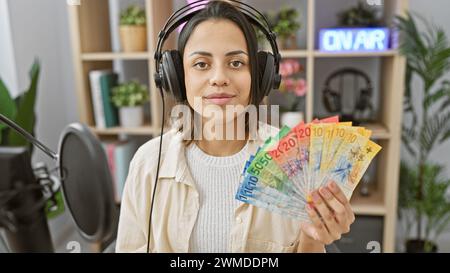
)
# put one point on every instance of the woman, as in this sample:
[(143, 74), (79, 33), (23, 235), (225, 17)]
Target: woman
[(194, 207)]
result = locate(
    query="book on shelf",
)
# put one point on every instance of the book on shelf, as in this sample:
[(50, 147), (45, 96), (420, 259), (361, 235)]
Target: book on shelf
[(105, 112), (119, 155)]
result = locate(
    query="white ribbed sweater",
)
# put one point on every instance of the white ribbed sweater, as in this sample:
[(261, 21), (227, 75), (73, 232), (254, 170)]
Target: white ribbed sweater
[(216, 180)]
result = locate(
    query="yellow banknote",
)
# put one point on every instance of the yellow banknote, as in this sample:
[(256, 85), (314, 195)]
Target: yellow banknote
[(345, 159)]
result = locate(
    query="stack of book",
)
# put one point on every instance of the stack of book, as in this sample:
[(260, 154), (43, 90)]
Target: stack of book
[(119, 154), (105, 113)]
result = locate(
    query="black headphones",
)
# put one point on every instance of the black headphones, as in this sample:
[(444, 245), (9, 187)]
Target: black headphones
[(332, 99), (169, 73)]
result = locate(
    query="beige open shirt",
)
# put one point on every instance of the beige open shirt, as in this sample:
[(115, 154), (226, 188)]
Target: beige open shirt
[(177, 204)]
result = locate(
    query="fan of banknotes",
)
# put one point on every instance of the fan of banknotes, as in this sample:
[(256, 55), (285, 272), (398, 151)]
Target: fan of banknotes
[(289, 166)]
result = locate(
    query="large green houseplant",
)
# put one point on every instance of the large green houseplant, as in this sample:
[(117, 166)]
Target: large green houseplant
[(20, 110), (422, 197)]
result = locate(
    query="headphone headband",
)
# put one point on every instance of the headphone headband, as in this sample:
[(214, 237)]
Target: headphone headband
[(348, 71), (332, 99), (176, 19)]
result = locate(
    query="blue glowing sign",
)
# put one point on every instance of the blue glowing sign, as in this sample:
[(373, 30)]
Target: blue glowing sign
[(354, 39)]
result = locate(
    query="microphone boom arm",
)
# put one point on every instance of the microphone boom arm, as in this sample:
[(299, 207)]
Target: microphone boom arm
[(28, 137)]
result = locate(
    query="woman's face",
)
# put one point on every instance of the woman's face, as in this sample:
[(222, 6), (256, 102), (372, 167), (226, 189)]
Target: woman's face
[(216, 66)]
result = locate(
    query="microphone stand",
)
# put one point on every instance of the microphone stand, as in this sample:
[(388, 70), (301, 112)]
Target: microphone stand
[(28, 137), (24, 210)]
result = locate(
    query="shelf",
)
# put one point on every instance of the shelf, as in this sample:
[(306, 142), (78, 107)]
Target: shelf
[(379, 131), (320, 54), (368, 205), (389, 53), (107, 56), (293, 53), (143, 130)]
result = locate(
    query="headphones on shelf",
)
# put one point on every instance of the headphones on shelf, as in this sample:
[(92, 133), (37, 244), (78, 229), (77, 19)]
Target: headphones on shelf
[(332, 99), (169, 73)]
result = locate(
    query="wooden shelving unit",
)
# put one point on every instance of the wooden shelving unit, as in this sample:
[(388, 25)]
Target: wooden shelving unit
[(143, 130), (108, 56), (389, 53), (294, 53), (387, 131), (91, 43)]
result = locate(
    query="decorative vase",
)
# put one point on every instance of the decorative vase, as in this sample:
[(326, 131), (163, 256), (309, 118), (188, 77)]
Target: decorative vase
[(418, 246), (291, 119), (131, 116), (133, 38)]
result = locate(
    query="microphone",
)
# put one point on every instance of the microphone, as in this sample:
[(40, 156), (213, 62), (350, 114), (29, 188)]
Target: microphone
[(85, 180), (22, 202)]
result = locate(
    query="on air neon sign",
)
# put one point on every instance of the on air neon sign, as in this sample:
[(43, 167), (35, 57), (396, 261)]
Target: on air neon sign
[(354, 39)]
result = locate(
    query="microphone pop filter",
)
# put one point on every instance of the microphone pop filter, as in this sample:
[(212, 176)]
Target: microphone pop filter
[(86, 183)]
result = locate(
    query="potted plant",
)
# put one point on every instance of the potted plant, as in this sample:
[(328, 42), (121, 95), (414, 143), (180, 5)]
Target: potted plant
[(285, 25), (293, 89), (422, 196), (130, 97), (133, 30), (433, 205), (21, 111), (359, 16)]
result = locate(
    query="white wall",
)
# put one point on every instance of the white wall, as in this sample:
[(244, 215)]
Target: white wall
[(39, 29), (7, 63)]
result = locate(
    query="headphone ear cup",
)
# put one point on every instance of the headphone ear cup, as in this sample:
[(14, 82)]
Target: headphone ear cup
[(266, 71), (326, 99), (364, 101), (331, 100), (173, 74)]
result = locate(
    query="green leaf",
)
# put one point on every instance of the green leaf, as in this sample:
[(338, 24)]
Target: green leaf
[(445, 105), (25, 111), (444, 223), (133, 15), (443, 92), (445, 136), (7, 105), (407, 143), (431, 131), (130, 93), (427, 52), (407, 185)]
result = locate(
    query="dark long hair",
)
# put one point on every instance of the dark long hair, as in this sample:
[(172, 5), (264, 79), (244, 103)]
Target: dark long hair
[(225, 10)]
